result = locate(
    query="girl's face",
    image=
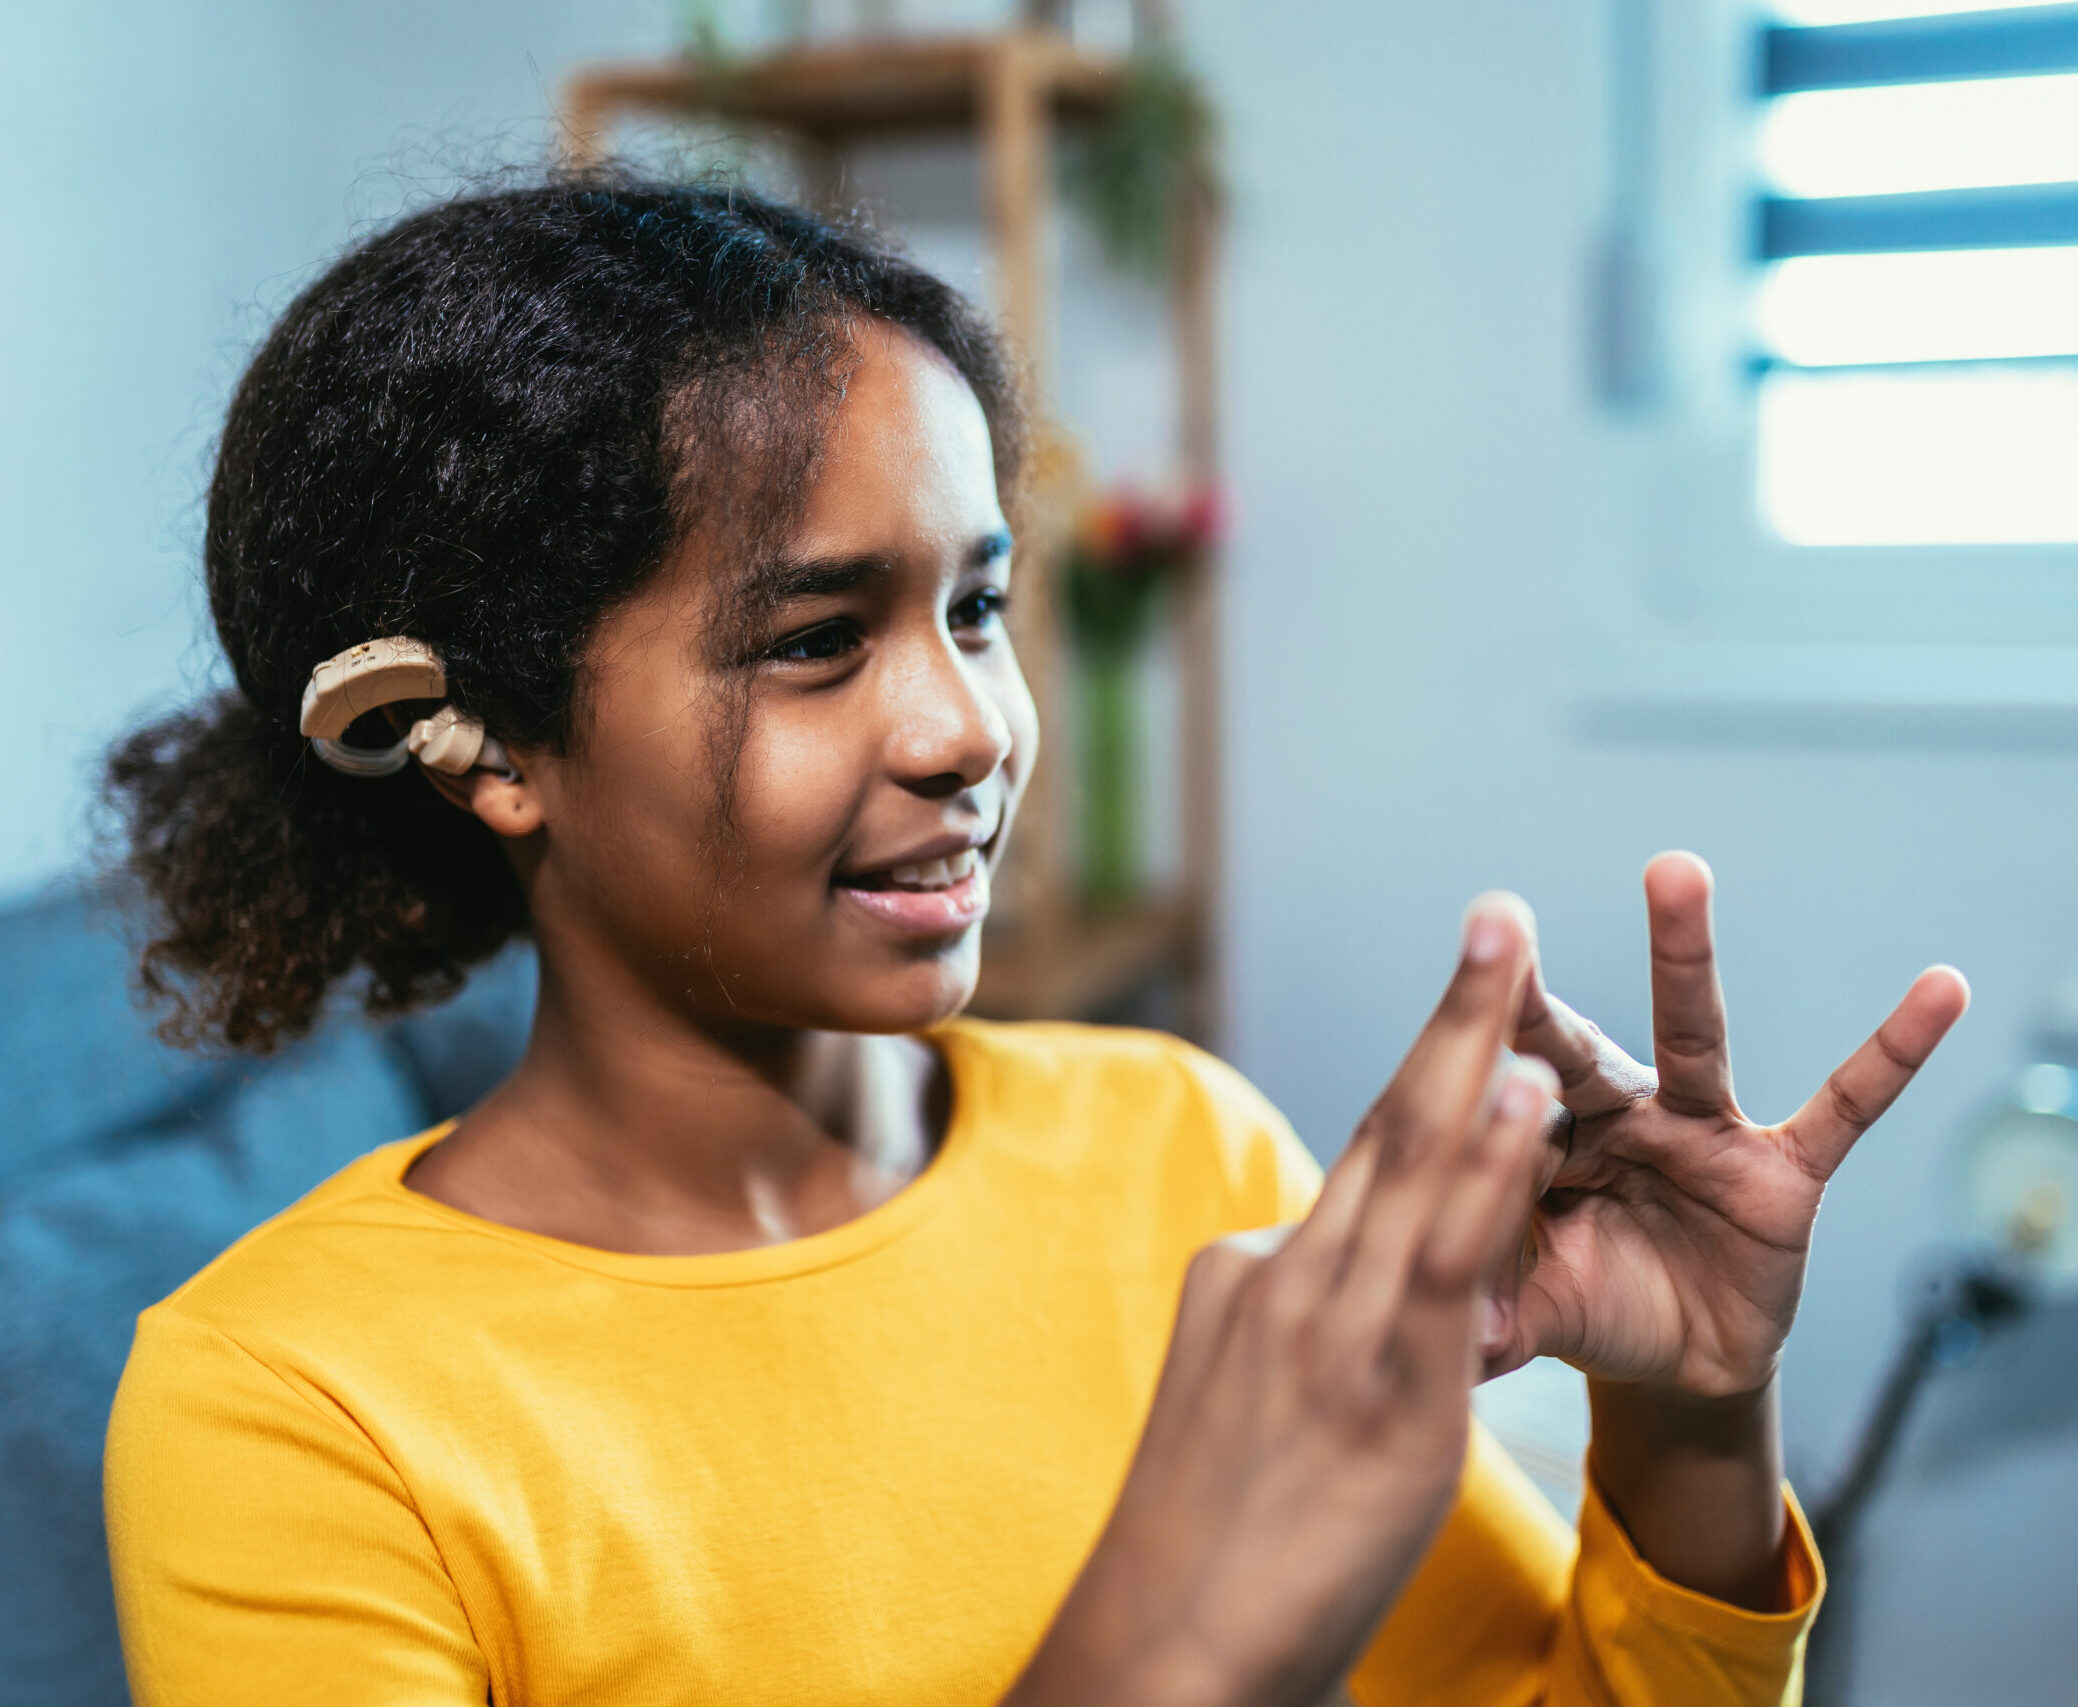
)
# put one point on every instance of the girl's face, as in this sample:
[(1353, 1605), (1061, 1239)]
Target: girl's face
[(889, 737)]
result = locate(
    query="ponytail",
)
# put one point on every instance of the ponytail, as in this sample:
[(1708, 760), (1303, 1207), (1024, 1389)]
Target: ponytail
[(270, 877)]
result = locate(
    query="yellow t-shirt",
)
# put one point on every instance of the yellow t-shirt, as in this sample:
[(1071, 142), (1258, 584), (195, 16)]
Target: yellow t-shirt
[(383, 1453)]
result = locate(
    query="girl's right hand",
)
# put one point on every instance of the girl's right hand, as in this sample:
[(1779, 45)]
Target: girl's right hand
[(1310, 1424)]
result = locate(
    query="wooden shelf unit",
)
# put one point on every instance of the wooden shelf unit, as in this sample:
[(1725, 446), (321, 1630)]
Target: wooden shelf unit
[(844, 91), (1009, 92)]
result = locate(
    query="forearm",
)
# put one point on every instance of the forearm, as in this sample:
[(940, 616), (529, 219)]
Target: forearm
[(1697, 1484)]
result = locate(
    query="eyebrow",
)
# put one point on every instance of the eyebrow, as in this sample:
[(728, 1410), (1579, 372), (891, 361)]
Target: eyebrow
[(989, 547), (800, 579)]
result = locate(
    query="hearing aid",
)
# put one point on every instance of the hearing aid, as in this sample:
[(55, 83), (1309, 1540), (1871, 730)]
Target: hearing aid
[(377, 673)]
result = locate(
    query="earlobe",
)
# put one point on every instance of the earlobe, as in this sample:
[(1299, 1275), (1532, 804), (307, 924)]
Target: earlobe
[(470, 769), (502, 799)]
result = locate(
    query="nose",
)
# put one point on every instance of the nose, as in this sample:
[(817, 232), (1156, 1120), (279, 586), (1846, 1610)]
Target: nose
[(949, 733)]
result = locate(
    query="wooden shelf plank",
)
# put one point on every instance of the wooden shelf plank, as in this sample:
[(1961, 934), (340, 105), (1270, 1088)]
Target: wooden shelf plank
[(1088, 965), (836, 91)]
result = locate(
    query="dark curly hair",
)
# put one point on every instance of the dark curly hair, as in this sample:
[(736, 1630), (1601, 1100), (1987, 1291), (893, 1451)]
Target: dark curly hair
[(482, 427)]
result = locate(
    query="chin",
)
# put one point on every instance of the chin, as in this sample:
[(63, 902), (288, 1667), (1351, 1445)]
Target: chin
[(912, 997)]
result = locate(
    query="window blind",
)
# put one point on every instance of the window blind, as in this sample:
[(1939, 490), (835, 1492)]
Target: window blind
[(1917, 313)]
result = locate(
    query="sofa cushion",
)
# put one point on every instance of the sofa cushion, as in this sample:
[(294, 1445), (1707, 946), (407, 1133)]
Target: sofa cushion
[(124, 1167)]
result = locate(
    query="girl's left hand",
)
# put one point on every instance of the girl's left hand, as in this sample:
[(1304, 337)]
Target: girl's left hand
[(1668, 1251)]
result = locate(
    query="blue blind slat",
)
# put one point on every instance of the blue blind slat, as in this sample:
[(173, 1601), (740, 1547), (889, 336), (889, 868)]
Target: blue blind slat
[(1920, 50), (2017, 217)]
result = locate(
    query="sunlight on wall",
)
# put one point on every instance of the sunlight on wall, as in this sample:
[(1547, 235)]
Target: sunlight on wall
[(1947, 456)]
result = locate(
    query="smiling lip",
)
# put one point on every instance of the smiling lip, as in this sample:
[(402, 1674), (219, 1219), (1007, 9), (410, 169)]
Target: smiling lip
[(928, 897)]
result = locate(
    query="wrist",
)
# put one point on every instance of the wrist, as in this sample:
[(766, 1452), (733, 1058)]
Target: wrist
[(1696, 1482), (1660, 1418)]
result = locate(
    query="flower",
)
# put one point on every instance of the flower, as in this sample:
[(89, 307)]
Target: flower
[(1125, 546), (1131, 531)]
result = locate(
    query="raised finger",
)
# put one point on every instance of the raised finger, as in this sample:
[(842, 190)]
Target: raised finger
[(1475, 1224), (1407, 1201), (1595, 1076), (1500, 1314), (1321, 1241), (1212, 1284), (1689, 1047), (1820, 1134), (1489, 966), (1447, 1074), (1429, 1110), (1487, 1201)]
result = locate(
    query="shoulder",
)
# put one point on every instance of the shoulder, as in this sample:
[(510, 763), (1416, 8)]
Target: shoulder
[(219, 1356), (338, 1241), (274, 1333), (1137, 1099)]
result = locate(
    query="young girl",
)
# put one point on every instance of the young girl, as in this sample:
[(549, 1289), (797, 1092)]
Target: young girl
[(625, 564)]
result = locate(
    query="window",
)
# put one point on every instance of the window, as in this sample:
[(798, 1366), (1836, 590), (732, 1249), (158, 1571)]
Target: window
[(1917, 316)]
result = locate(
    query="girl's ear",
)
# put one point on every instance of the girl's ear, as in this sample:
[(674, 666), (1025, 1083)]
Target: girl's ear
[(505, 801)]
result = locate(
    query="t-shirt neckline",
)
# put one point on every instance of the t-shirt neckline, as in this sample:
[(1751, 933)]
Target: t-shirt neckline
[(885, 1222)]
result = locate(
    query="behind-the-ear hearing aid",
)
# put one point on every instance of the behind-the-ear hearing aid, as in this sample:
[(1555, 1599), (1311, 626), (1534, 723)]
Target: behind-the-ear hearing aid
[(377, 673)]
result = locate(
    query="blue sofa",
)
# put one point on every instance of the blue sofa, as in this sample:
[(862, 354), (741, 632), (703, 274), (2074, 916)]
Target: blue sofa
[(124, 1167)]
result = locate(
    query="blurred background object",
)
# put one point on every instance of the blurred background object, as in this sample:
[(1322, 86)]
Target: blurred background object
[(2014, 1267), (1647, 423), (1125, 564)]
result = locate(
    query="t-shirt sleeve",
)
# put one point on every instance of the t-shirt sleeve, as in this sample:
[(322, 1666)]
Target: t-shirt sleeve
[(1512, 1609), (263, 1549)]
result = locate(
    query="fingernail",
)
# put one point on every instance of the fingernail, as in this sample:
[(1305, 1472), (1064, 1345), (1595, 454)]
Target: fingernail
[(1486, 934), (1491, 1323), (1542, 1074), (1521, 1096)]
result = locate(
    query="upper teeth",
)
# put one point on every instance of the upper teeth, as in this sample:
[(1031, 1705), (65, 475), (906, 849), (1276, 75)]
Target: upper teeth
[(934, 873)]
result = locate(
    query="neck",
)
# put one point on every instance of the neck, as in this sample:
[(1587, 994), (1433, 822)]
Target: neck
[(632, 1126)]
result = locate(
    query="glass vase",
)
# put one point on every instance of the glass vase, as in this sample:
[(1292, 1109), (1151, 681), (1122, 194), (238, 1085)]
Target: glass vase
[(1108, 728)]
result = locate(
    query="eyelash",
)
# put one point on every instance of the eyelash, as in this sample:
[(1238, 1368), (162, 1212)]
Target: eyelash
[(793, 649), (993, 603), (982, 607)]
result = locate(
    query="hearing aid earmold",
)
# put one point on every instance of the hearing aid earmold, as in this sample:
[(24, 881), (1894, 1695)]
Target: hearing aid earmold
[(377, 673)]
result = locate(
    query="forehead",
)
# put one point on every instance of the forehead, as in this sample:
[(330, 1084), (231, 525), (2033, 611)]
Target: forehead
[(906, 473), (907, 450)]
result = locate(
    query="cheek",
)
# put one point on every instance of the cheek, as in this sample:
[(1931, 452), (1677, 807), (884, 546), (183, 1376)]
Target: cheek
[(797, 788), (644, 806), (1020, 714), (641, 815)]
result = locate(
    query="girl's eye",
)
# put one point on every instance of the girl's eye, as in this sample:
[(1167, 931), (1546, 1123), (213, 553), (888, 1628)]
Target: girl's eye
[(817, 645), (982, 609)]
